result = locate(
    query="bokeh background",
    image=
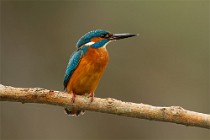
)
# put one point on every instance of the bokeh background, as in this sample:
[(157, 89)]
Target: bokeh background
[(168, 64)]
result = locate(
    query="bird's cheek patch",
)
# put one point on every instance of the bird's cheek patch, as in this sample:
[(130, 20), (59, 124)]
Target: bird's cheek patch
[(96, 39)]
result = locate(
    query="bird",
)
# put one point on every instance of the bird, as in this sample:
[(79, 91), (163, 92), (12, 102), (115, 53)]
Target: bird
[(87, 65)]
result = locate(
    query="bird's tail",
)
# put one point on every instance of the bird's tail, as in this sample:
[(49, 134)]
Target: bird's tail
[(74, 112)]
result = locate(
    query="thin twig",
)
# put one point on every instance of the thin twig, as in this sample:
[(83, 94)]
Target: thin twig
[(173, 114)]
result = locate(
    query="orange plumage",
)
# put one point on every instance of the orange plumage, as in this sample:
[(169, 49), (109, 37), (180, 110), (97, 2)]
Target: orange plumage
[(87, 64), (89, 71)]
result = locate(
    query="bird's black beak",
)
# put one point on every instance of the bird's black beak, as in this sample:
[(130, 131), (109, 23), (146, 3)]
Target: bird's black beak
[(121, 36)]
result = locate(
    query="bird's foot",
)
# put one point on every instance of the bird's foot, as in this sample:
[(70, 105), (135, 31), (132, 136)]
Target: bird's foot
[(73, 97), (91, 96)]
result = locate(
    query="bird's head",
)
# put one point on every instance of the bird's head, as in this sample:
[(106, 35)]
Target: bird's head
[(99, 38)]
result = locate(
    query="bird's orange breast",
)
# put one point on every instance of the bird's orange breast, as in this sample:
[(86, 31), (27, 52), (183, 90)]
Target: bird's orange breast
[(87, 75)]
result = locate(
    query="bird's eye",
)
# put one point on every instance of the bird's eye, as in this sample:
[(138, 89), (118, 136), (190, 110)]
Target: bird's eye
[(107, 36), (102, 36)]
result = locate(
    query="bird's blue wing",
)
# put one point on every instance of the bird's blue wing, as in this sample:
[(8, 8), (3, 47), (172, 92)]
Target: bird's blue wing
[(73, 63)]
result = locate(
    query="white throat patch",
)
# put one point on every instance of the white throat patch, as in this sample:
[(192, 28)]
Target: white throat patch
[(89, 43)]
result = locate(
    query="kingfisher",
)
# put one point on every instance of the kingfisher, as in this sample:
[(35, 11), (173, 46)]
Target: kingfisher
[(87, 65)]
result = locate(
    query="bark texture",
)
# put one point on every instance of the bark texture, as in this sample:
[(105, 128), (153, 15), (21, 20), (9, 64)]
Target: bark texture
[(173, 114)]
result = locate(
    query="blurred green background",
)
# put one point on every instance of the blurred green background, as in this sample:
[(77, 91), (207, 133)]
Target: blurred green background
[(168, 64)]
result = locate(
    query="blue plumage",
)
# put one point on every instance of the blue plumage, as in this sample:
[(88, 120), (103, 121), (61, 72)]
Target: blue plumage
[(82, 47), (77, 55), (84, 70), (88, 36), (73, 63), (100, 43)]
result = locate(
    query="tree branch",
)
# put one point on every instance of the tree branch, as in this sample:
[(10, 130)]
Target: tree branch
[(173, 114)]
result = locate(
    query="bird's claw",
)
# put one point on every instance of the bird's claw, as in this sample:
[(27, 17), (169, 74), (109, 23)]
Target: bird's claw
[(91, 96), (73, 97)]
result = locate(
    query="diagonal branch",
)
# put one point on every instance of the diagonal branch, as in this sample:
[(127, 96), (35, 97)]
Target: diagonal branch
[(173, 114)]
